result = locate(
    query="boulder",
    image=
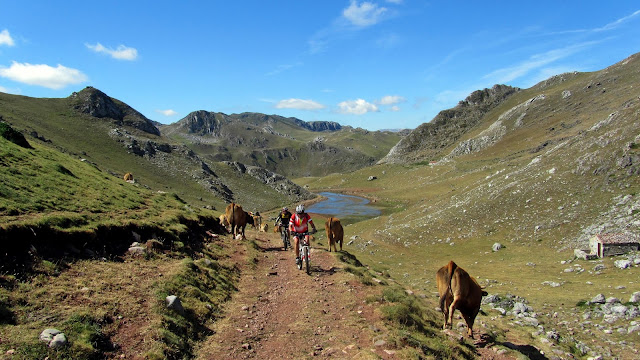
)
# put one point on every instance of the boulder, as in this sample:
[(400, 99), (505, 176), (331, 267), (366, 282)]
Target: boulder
[(174, 303), (598, 299), (53, 337), (622, 264)]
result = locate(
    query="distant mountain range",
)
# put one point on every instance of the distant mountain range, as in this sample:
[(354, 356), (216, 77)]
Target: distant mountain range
[(240, 157)]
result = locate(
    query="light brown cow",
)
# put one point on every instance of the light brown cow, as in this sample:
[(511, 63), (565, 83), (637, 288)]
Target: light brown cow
[(224, 222), (237, 219), (264, 227), (334, 231), (257, 220), (128, 177), (458, 290)]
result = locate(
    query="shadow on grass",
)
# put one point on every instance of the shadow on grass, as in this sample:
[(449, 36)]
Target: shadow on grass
[(531, 352)]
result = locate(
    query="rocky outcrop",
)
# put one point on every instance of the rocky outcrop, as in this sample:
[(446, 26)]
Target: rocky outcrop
[(428, 140), (277, 182), (95, 103), (318, 125)]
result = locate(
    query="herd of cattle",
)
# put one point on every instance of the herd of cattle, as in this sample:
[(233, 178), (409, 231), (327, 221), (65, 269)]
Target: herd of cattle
[(456, 288), (236, 220)]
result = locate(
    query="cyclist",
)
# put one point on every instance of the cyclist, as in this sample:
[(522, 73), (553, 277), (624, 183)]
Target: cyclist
[(299, 223), (282, 221)]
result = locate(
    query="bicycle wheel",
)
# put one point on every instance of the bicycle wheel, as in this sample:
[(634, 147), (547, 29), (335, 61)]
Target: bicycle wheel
[(305, 251), (301, 257), (283, 234)]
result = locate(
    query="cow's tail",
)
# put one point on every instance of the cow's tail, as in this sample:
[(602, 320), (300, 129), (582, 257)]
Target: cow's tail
[(451, 267), (331, 234)]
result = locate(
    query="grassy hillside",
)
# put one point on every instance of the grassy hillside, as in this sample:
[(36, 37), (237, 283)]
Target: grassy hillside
[(539, 174)]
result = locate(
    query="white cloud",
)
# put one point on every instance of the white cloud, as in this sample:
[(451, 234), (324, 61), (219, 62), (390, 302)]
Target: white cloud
[(394, 108), (300, 104), (5, 38), (365, 14), (508, 74), (282, 68), (395, 1), (168, 112), (618, 22), (120, 53), (391, 100), (43, 75), (357, 107)]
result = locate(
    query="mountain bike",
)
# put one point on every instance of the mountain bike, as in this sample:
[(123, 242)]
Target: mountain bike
[(304, 251), (284, 234)]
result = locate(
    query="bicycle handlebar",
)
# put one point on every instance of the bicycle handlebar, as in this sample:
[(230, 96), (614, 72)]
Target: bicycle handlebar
[(304, 233)]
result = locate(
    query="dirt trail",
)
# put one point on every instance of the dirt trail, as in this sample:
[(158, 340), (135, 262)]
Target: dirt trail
[(280, 312)]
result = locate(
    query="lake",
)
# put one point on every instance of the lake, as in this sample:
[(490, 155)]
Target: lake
[(341, 206)]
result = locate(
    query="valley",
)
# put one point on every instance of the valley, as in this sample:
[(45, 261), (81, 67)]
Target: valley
[(507, 188)]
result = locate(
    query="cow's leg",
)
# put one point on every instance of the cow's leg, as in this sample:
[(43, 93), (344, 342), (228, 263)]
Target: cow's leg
[(469, 320), (340, 244), (445, 310), (452, 309)]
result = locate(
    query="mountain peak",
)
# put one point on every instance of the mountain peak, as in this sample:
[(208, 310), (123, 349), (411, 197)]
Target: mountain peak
[(95, 103)]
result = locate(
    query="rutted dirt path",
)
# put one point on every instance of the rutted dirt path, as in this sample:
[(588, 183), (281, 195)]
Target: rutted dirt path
[(280, 312)]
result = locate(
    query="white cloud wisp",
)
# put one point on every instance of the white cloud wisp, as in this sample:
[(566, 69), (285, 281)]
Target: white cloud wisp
[(120, 53), (43, 75), (365, 14), (5, 38), (168, 112), (299, 104)]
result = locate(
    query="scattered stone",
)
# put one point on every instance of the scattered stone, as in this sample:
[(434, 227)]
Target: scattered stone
[(622, 264), (246, 346), (137, 250), (598, 299), (174, 303), (54, 338), (58, 341), (612, 300), (635, 297), (380, 343), (496, 246), (599, 267)]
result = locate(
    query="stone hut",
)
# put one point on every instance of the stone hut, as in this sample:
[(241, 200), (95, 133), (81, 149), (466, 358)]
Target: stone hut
[(613, 244)]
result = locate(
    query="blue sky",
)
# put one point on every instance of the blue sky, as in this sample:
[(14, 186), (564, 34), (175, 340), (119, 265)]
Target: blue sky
[(372, 64)]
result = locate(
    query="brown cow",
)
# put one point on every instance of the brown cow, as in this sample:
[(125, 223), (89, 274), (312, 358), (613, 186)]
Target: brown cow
[(458, 290), (238, 219), (335, 232), (257, 220), (224, 222), (128, 177)]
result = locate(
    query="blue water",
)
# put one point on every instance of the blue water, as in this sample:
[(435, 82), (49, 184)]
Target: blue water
[(340, 206)]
